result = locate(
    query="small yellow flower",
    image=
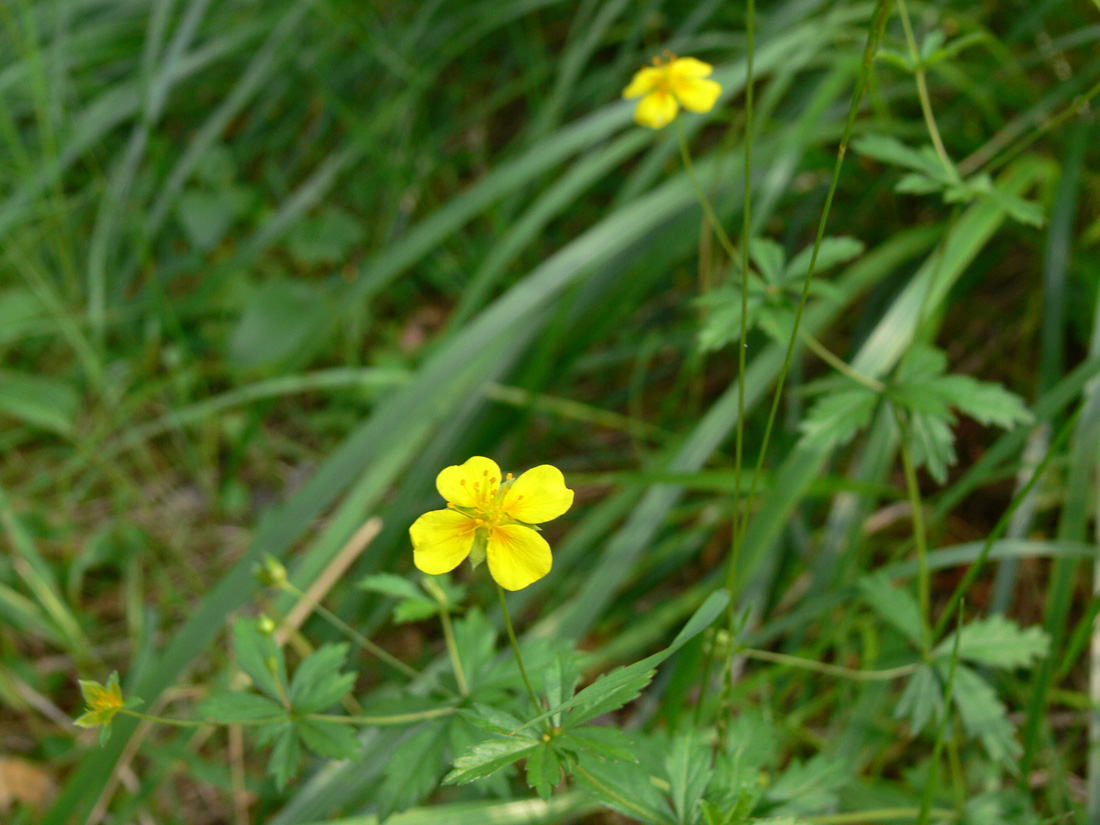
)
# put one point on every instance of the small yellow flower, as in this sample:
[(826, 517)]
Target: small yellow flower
[(667, 85), (103, 702), (491, 517)]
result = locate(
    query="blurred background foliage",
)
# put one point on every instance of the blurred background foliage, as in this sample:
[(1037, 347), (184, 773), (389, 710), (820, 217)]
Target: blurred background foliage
[(266, 266)]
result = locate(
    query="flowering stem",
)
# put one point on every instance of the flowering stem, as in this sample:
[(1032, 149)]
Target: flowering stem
[(393, 719), (452, 651), (352, 633), (162, 720), (708, 210), (515, 647), (874, 38)]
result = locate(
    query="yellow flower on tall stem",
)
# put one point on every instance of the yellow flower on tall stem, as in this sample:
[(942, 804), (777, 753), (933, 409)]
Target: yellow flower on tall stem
[(491, 517), (671, 82)]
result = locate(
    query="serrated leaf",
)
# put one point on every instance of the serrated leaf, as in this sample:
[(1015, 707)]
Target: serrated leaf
[(915, 183), (331, 739), (832, 252), (560, 677), (259, 658), (996, 641), (921, 701), (768, 257), (607, 743), (318, 683), (809, 787), (721, 309), (893, 605), (414, 610), (543, 770), (932, 443), (983, 401), (413, 768), (688, 769), (285, 756), (836, 418), (389, 584), (625, 787), (491, 719), (892, 151), (489, 757), (615, 689), (983, 715), (237, 706)]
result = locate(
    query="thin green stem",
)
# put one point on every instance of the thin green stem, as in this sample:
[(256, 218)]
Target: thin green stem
[(352, 633), (832, 670), (708, 210), (930, 782), (874, 38), (452, 651), (924, 576), (839, 364), (876, 815), (746, 229), (164, 720), (922, 90), (515, 648), (393, 719)]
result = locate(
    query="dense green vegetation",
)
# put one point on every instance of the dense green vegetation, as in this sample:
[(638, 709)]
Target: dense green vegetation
[(270, 266)]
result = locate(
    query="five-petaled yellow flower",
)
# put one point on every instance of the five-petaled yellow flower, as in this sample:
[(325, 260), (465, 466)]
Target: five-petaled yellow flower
[(667, 85), (493, 517)]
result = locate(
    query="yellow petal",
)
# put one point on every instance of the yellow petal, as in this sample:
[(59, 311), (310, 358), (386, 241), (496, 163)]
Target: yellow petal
[(697, 95), (470, 484), (538, 495), (684, 67), (518, 556), (644, 81), (656, 110), (441, 540)]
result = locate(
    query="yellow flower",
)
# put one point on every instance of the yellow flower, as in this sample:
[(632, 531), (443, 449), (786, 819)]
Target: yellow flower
[(103, 702), (491, 517), (669, 84)]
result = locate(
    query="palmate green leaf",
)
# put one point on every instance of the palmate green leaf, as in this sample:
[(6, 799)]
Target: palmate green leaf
[(260, 658), (893, 605), (721, 309), (932, 443), (238, 706), (891, 151), (809, 787), (390, 584), (330, 739), (921, 701), (318, 683), (626, 787), (836, 418), (688, 769), (413, 768), (832, 252), (769, 259), (489, 757), (983, 401), (491, 719), (615, 689), (997, 642)]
